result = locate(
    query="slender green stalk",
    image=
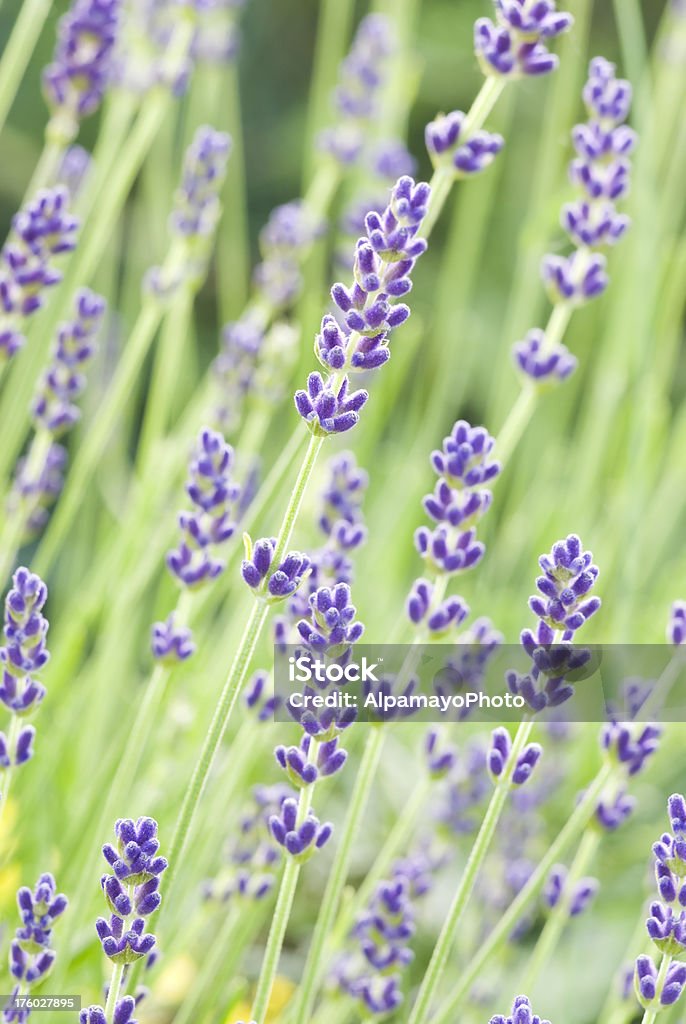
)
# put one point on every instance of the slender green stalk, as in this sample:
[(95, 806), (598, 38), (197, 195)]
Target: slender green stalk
[(113, 993), (7, 774), (439, 958), (282, 913), (521, 412), (47, 167), (559, 916), (491, 946), (14, 526), (329, 907), (18, 51)]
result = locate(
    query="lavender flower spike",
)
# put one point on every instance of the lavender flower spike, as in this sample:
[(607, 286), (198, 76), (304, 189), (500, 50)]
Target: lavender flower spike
[(22, 658), (522, 1013), (31, 957), (467, 154), (269, 582), (42, 229), (123, 1013), (300, 838), (515, 45)]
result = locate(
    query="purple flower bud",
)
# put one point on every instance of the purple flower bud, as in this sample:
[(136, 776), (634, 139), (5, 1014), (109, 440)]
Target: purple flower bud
[(676, 628), (543, 364), (522, 1013), (328, 411), (300, 838), (630, 745), (448, 146)]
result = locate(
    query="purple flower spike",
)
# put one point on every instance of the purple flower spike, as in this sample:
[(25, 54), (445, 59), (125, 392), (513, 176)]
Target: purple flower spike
[(329, 411), (30, 956), (272, 583), (284, 241), (448, 145), (465, 457), (300, 839), (331, 628), (569, 576), (170, 643), (123, 1013), (42, 229), (676, 628), (121, 945), (522, 1013), (500, 756), (53, 406), (75, 83), (544, 365), (214, 494), (516, 44), (575, 279)]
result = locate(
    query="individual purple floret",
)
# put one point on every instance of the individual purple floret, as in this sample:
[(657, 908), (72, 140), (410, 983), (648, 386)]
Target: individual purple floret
[(543, 363), (299, 837), (326, 410), (123, 1013), (170, 643), (557, 887), (356, 98), (522, 1013), (75, 83), (272, 583), (516, 44), (22, 657), (676, 627), (211, 488), (466, 153), (42, 229), (646, 979), (629, 745), (63, 382), (30, 955), (499, 758)]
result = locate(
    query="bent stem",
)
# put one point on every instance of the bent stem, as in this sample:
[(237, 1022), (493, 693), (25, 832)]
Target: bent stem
[(338, 874), (422, 1006), (559, 916), (494, 942)]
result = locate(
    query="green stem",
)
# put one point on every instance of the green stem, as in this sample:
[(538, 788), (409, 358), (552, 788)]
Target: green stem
[(439, 958), (6, 774), (338, 874), (282, 913), (99, 433), (14, 526), (18, 51), (112, 995), (559, 916), (521, 412), (490, 947)]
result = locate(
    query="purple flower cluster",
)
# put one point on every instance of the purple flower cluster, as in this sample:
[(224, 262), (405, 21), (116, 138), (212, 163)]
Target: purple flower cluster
[(42, 229), (123, 1013), (465, 669), (75, 83), (465, 790), (284, 242), (576, 898), (459, 500), (384, 260), (196, 212), (666, 925), (522, 1013), (516, 43), (450, 143), (676, 627), (235, 368), (268, 581), (35, 488), (499, 758), (356, 98), (251, 856), (300, 833), (630, 745), (562, 606), (601, 170), (31, 957), (22, 658), (131, 891), (63, 382)]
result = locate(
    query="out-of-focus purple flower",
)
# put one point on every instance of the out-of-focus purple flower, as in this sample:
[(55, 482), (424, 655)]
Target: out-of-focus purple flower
[(577, 278), (439, 619), (74, 170), (75, 83), (522, 1013), (542, 363), (676, 627), (467, 788), (214, 493), (30, 955), (63, 382), (356, 98), (499, 758), (391, 160), (285, 240), (22, 657), (217, 36), (260, 697), (516, 44), (171, 643), (300, 837), (42, 229), (441, 758), (611, 812), (577, 900), (342, 498), (272, 583), (629, 745), (449, 146), (36, 487), (132, 891)]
